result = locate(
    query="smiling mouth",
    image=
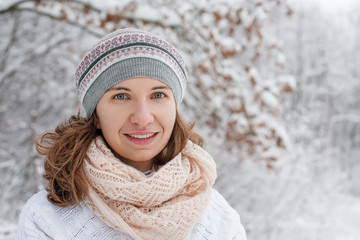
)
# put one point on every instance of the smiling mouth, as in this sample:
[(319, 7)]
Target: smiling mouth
[(141, 139), (141, 136)]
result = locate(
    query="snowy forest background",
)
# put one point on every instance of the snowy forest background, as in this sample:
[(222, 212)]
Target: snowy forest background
[(273, 87)]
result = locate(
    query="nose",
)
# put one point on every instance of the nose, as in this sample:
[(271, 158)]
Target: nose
[(142, 115)]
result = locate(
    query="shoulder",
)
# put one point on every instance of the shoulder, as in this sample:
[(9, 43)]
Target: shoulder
[(219, 221), (38, 207), (38, 200), (31, 224), (40, 219)]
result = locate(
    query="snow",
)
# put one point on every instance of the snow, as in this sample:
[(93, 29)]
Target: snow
[(171, 17), (288, 81), (308, 188), (269, 99), (207, 19), (147, 13), (7, 231), (254, 73), (108, 5)]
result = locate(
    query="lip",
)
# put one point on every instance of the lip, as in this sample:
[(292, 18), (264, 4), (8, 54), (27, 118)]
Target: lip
[(141, 141), (140, 133)]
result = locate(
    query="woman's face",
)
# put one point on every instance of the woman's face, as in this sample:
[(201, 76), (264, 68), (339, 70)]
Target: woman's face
[(137, 117)]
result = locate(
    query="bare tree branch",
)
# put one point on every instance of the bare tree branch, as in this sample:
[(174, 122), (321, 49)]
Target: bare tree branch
[(11, 42), (58, 18), (15, 5)]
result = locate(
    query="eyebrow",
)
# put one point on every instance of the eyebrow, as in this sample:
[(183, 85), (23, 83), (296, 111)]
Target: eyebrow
[(114, 88), (161, 87)]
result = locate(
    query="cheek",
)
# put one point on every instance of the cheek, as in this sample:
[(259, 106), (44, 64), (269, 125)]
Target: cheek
[(110, 129), (107, 126), (108, 121), (169, 117)]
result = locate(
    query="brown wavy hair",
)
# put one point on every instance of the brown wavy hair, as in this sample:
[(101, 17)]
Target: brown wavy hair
[(65, 149)]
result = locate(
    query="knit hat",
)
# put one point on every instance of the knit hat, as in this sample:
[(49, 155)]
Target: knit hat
[(125, 54)]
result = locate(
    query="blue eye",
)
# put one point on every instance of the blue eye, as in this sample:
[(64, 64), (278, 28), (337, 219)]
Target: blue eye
[(158, 95), (120, 96)]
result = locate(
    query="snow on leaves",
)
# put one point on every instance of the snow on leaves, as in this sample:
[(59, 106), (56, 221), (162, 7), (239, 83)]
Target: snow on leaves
[(224, 44)]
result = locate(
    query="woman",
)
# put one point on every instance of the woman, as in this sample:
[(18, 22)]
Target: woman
[(132, 169)]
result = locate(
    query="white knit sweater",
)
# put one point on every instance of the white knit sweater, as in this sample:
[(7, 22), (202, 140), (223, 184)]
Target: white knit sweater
[(40, 219)]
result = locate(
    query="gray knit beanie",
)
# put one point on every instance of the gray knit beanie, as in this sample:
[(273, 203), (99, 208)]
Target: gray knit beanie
[(125, 54)]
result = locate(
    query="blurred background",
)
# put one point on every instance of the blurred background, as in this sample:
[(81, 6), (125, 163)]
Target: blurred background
[(273, 88)]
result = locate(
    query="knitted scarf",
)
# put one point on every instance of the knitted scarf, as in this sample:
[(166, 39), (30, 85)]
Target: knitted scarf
[(163, 205)]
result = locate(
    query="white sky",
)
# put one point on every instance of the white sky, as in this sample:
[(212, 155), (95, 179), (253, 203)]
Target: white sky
[(330, 6), (337, 5)]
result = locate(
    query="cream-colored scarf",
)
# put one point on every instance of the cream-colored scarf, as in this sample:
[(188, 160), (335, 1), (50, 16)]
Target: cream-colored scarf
[(163, 205)]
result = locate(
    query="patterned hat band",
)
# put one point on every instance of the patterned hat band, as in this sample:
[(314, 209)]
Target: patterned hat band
[(127, 54)]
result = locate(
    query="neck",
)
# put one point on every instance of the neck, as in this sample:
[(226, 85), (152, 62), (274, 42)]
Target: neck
[(142, 166)]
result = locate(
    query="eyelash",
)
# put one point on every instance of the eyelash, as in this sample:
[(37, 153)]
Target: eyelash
[(122, 96), (162, 95)]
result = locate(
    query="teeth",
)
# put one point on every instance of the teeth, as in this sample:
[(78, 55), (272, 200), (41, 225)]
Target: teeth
[(142, 136)]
